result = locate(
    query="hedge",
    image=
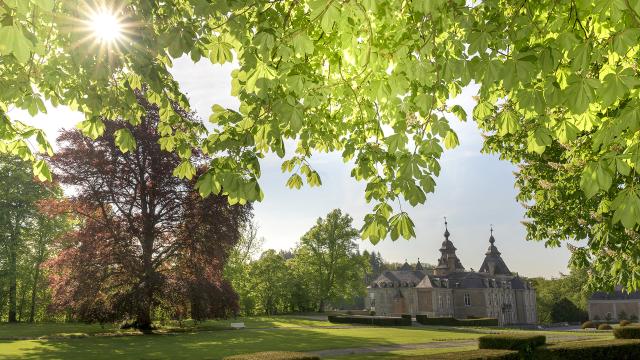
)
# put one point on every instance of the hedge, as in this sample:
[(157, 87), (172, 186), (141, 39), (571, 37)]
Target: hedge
[(585, 350), (588, 325), (524, 343), (482, 354), (273, 355), (604, 327), (370, 320), (627, 332), (625, 322), (449, 321)]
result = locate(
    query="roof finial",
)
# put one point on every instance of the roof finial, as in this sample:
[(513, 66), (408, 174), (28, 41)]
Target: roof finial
[(446, 229), (491, 238)]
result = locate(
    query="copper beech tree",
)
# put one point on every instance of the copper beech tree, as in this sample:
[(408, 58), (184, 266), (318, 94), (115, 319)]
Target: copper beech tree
[(145, 240)]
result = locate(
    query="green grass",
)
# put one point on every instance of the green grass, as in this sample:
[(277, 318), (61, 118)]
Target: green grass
[(37, 330), (274, 333)]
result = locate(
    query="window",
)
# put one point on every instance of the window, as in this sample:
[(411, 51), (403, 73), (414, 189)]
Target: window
[(467, 300)]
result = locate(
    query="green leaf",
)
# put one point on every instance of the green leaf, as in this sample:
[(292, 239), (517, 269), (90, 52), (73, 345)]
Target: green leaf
[(374, 228), (46, 5), (13, 41), (313, 179), (627, 208), (401, 225), (395, 142), (207, 185), (451, 140), (185, 170), (538, 140), (302, 44), (92, 128), (604, 176), (125, 141), (589, 181), (614, 88), (41, 170), (294, 182), (580, 93), (459, 112), (566, 131), (507, 122), (330, 17)]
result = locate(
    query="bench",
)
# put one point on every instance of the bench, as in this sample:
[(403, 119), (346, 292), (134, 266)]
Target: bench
[(237, 326)]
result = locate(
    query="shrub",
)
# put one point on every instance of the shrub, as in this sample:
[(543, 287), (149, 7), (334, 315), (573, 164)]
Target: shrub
[(622, 315), (372, 313), (580, 350), (624, 322), (370, 320), (604, 327), (633, 318), (525, 343), (482, 354), (449, 321), (406, 316), (273, 355), (627, 332), (588, 325)]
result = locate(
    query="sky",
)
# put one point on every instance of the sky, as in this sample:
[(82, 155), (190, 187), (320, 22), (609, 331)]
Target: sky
[(473, 190)]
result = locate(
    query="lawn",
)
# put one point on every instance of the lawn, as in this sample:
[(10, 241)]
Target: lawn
[(276, 333)]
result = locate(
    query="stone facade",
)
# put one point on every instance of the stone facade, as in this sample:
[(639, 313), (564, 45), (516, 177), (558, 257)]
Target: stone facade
[(610, 306), (451, 291)]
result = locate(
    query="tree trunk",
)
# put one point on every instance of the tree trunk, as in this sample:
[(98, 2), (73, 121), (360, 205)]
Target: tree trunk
[(321, 306), (13, 277), (34, 292)]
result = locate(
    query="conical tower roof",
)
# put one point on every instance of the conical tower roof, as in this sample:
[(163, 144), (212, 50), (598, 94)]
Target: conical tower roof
[(493, 263)]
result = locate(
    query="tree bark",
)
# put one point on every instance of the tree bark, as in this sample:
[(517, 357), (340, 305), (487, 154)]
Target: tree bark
[(13, 276), (34, 292)]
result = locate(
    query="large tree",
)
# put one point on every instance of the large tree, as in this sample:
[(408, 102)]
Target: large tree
[(19, 221), (367, 78), (146, 239), (334, 268)]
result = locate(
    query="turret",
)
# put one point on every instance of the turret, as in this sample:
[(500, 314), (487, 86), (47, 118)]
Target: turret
[(448, 261), (493, 263)]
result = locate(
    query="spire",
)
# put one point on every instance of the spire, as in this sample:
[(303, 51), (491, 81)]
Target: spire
[(493, 263), (419, 266), (405, 266), (446, 230), (448, 261), (491, 238)]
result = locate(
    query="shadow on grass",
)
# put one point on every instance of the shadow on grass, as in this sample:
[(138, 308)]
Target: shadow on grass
[(213, 345)]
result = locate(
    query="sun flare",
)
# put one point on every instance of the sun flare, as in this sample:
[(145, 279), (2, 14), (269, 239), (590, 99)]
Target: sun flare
[(106, 26)]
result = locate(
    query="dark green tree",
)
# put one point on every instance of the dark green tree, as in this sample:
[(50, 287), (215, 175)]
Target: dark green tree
[(335, 267), (20, 194)]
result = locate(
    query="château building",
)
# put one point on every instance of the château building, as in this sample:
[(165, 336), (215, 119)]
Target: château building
[(451, 291)]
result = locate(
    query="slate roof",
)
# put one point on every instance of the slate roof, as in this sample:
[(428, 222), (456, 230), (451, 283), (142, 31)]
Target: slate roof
[(619, 294), (456, 278)]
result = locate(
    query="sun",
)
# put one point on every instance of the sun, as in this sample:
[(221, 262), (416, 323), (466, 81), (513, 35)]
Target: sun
[(106, 26)]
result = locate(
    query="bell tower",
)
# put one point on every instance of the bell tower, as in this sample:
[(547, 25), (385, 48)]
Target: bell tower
[(448, 261)]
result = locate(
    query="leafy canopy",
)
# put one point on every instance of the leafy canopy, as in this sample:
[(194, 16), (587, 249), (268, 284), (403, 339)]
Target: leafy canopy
[(369, 79)]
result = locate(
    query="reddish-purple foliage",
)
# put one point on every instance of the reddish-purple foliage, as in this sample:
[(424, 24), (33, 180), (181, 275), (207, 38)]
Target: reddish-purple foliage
[(145, 240)]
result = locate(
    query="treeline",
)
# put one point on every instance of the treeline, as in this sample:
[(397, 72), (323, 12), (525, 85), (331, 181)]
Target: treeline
[(562, 299), (324, 269)]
